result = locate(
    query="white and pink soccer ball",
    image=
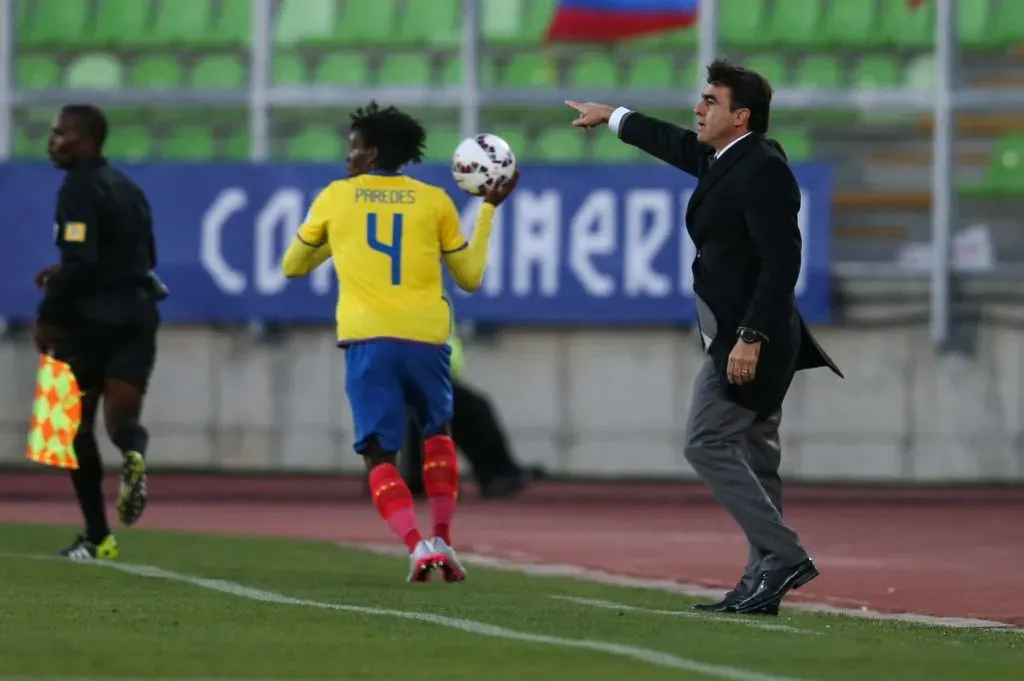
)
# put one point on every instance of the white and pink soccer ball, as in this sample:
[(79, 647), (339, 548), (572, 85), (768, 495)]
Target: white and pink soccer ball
[(481, 161)]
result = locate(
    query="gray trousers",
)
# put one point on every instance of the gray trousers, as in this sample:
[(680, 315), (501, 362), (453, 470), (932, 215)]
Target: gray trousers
[(738, 457)]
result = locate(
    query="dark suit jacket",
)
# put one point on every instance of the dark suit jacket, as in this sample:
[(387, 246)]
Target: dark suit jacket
[(742, 218)]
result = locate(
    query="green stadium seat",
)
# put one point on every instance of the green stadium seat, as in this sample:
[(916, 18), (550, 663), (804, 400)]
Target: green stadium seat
[(741, 23), (183, 23), (27, 146), (610, 149), (651, 73), (219, 73), (795, 142), (342, 69), (504, 22), (189, 144), (1005, 172), (405, 69), (58, 24), (919, 73), (876, 72), (289, 70), (797, 23), (35, 72), (974, 25), (530, 70), (538, 17), (907, 27), (122, 24), (94, 72), (594, 71), (773, 68), (237, 147), (128, 144), (850, 23), (558, 145), (306, 21), (369, 23), (451, 75), (515, 137), (23, 17), (820, 73), (441, 142), (233, 26), (431, 22), (156, 73), (1008, 24), (315, 144)]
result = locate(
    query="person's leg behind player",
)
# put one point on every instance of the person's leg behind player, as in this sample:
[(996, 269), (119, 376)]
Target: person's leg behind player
[(132, 355), (376, 393), (81, 348), (429, 389)]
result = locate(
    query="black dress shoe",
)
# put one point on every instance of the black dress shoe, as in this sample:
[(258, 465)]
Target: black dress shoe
[(774, 584), (735, 597)]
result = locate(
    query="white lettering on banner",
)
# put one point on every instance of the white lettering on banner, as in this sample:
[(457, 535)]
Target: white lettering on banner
[(227, 203), (592, 233), (537, 231), (642, 248), (282, 210), (320, 279), (687, 251)]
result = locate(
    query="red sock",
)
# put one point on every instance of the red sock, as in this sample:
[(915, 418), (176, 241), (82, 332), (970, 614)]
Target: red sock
[(441, 481), (394, 503)]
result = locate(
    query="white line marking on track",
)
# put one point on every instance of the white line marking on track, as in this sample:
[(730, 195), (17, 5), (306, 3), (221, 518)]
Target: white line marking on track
[(602, 577), (649, 656), (737, 619)]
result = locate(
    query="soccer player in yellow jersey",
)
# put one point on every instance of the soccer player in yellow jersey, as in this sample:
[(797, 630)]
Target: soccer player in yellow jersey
[(388, 235)]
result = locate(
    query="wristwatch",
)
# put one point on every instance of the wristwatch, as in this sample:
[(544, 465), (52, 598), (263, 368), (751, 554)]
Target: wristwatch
[(749, 335)]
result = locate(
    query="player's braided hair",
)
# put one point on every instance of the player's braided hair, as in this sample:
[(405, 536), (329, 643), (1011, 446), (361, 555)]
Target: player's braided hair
[(398, 137)]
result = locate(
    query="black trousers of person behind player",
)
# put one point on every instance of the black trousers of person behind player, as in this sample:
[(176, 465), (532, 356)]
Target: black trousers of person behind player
[(480, 437), (113, 361)]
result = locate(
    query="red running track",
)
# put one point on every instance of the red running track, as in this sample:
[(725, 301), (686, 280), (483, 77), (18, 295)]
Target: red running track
[(952, 553)]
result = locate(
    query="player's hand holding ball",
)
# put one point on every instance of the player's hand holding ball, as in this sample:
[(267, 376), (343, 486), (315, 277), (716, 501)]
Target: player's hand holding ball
[(485, 165)]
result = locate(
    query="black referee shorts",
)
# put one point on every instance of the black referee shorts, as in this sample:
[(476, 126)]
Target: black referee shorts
[(97, 351)]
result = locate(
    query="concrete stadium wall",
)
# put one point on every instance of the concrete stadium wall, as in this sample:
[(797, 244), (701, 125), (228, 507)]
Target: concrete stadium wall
[(595, 403)]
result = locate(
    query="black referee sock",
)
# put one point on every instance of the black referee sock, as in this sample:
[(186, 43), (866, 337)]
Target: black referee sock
[(88, 482), (130, 436)]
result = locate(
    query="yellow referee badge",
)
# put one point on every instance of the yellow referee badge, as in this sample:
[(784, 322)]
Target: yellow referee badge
[(74, 232)]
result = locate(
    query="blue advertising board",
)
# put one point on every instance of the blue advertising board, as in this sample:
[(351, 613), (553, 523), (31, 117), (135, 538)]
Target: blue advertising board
[(577, 245)]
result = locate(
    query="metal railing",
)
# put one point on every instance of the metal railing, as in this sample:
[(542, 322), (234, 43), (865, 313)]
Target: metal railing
[(262, 97)]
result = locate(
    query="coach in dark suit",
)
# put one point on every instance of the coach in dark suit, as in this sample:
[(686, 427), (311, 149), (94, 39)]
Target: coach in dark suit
[(742, 217)]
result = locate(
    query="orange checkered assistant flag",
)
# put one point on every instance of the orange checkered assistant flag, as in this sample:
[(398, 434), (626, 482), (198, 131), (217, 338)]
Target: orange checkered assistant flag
[(56, 415)]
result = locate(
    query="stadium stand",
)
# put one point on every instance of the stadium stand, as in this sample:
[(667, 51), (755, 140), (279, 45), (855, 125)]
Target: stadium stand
[(882, 158)]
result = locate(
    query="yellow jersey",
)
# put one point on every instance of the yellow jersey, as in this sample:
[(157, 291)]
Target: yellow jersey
[(388, 235)]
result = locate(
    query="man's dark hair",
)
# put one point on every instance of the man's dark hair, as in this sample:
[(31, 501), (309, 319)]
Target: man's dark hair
[(91, 122), (398, 137), (750, 90)]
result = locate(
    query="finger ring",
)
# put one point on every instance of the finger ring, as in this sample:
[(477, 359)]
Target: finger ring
[(745, 371)]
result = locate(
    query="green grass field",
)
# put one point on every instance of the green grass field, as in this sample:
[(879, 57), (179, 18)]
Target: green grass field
[(197, 607)]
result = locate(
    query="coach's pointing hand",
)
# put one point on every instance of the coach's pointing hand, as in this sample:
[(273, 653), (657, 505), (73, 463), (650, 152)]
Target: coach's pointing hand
[(591, 114)]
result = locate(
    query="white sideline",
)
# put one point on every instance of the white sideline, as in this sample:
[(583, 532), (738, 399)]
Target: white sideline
[(602, 577), (653, 657)]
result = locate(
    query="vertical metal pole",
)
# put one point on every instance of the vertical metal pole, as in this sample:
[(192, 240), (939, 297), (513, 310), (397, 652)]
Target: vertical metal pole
[(260, 52), (707, 37), (6, 78), (469, 51), (943, 180)]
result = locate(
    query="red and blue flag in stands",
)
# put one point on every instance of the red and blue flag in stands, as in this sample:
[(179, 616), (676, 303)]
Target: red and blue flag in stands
[(610, 20)]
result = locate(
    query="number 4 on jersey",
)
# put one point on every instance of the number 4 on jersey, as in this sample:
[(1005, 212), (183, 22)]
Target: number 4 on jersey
[(394, 250)]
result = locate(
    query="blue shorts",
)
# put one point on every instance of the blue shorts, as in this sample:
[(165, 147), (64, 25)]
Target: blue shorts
[(383, 379)]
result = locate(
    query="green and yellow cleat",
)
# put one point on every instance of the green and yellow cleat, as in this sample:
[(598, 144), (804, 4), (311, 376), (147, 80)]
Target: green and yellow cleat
[(131, 501), (83, 549)]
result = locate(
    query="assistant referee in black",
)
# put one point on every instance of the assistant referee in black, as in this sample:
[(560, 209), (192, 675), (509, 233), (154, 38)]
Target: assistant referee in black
[(99, 314)]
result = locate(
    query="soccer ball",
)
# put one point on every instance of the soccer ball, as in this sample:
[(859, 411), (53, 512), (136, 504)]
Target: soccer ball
[(481, 161)]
